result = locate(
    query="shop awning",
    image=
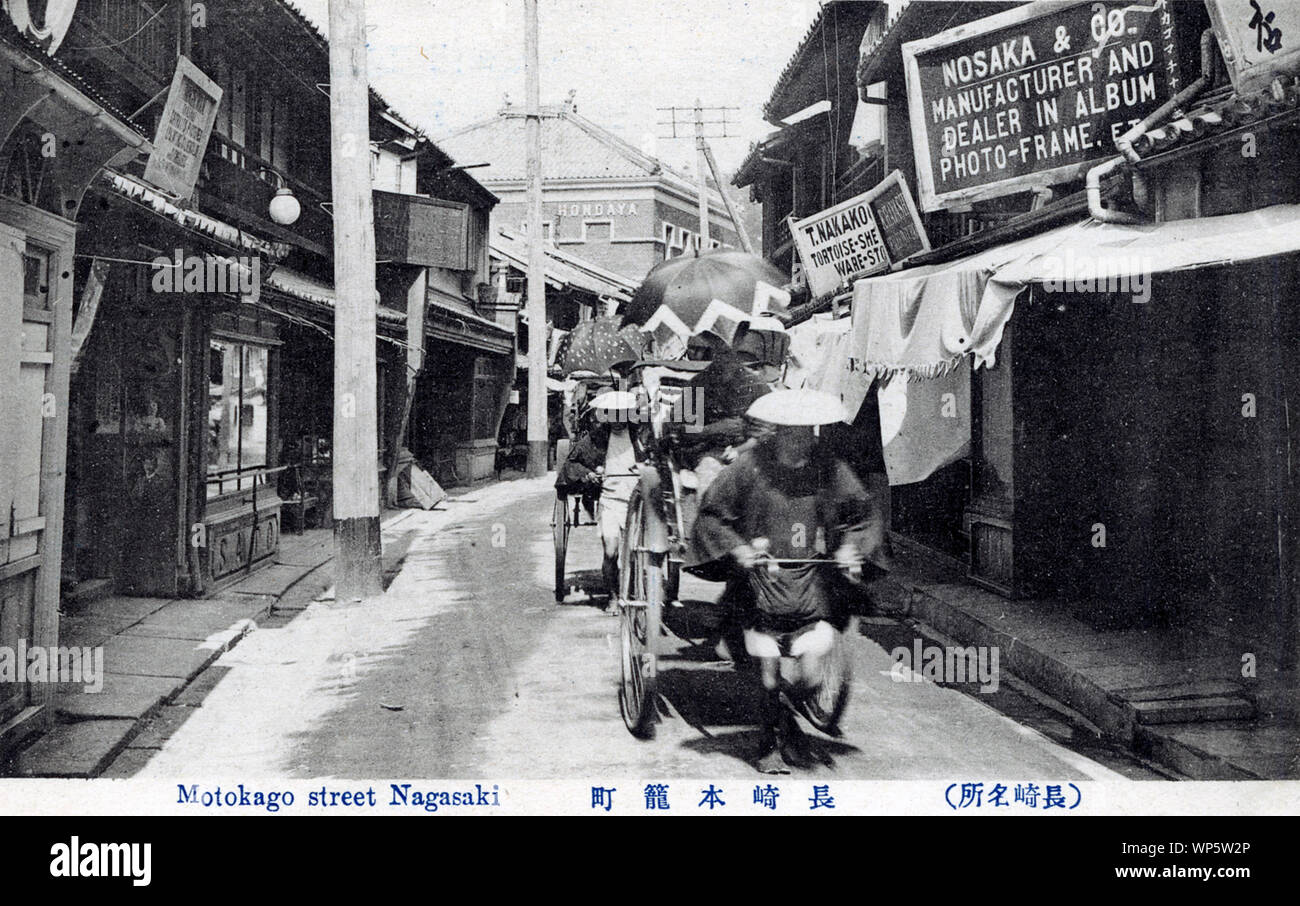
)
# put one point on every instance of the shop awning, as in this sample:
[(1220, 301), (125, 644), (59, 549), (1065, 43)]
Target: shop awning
[(306, 288), (563, 270), (453, 324), (924, 320)]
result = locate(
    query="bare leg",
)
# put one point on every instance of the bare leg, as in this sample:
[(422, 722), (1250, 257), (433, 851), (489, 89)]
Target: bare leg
[(772, 715), (609, 572)]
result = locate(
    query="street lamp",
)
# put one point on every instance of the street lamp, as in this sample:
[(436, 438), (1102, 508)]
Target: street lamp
[(285, 208)]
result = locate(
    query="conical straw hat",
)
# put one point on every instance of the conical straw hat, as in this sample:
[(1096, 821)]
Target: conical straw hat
[(797, 407)]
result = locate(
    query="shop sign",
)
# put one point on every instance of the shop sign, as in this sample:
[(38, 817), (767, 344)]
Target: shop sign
[(183, 131), (864, 235), (430, 232), (1033, 96), (1260, 39)]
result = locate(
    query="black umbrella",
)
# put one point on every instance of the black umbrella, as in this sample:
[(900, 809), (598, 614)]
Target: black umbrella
[(688, 284)]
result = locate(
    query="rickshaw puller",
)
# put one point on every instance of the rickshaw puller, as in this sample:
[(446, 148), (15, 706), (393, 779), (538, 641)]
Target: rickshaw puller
[(616, 410), (802, 502)]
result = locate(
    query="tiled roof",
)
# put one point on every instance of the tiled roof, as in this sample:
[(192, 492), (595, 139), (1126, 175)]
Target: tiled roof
[(1215, 116), (562, 268), (812, 40), (917, 19), (9, 34), (306, 288), (322, 44), (138, 191), (571, 149)]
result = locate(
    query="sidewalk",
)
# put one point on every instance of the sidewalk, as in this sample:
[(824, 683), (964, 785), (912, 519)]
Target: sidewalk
[(155, 647), (1175, 698)]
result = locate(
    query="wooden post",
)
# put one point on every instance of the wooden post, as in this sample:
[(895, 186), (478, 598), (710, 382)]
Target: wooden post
[(357, 569), (701, 167), (416, 303), (726, 199), (538, 440)]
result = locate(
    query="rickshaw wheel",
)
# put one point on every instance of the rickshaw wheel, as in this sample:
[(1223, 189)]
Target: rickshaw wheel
[(640, 598), (825, 708), (560, 521)]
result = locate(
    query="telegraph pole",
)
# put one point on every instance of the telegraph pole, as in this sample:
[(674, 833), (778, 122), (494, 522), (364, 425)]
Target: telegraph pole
[(538, 441), (357, 570), (704, 161), (701, 170)]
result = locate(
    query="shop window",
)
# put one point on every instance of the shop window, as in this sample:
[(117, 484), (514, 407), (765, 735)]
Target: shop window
[(548, 230), (238, 391), (36, 278)]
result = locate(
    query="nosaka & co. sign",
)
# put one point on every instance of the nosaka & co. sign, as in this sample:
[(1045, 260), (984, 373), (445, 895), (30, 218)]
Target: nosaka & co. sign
[(1033, 96)]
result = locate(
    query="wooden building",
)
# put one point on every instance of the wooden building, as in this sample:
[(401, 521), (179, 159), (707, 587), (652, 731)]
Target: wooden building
[(56, 132), (1127, 315), (201, 415)]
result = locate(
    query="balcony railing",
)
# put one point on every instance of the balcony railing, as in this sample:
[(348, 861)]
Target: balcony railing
[(243, 180)]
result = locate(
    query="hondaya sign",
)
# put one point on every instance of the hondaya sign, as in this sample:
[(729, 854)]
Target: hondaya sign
[(1032, 96), (183, 131), (859, 237)]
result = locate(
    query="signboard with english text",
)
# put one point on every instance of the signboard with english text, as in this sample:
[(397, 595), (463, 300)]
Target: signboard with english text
[(1034, 96), (864, 235)]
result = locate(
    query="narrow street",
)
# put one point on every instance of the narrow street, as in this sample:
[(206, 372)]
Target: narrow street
[(467, 668)]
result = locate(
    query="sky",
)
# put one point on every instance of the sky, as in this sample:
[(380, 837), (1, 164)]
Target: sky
[(444, 64)]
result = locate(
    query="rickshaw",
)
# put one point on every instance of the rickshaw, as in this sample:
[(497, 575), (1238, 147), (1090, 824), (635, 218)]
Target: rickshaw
[(650, 560), (654, 548), (567, 511), (589, 359)]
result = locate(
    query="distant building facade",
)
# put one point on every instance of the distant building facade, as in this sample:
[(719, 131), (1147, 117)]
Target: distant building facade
[(603, 199)]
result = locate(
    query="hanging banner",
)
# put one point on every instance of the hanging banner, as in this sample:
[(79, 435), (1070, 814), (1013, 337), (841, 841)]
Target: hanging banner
[(183, 131), (1033, 96), (1260, 39), (864, 235)]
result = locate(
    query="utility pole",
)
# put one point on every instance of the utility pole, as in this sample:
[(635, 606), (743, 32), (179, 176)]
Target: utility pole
[(700, 169), (538, 441), (704, 161), (357, 570), (741, 231)]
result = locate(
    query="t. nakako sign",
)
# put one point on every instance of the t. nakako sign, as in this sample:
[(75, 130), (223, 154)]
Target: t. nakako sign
[(1033, 96), (183, 130), (858, 237)]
